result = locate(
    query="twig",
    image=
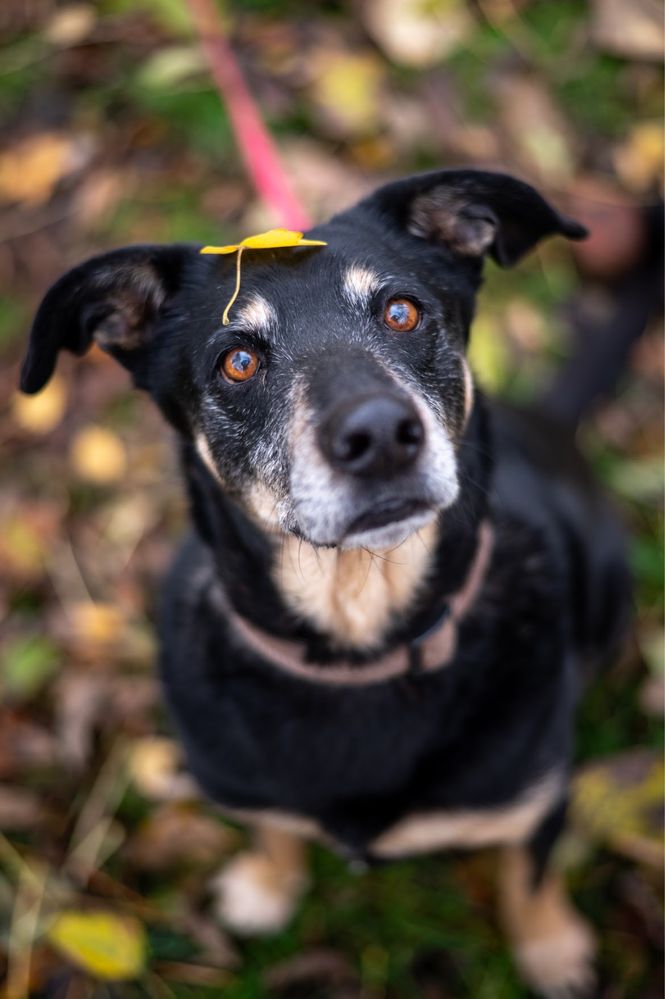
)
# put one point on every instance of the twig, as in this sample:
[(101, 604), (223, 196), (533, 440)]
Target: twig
[(23, 931), (94, 821)]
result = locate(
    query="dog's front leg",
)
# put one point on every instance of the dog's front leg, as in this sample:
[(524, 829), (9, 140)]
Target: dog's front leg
[(553, 946), (258, 891)]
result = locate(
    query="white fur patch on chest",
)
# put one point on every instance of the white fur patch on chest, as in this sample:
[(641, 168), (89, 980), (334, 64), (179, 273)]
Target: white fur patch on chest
[(353, 596)]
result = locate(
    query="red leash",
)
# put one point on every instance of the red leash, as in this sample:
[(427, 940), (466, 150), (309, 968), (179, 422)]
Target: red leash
[(254, 141)]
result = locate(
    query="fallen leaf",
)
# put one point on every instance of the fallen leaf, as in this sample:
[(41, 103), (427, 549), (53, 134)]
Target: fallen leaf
[(98, 455), (95, 624), (105, 945), (172, 14), (40, 413), (19, 808), (632, 29), (31, 169), (27, 663), (417, 32), (179, 833), (619, 801), (347, 91), (154, 766), (171, 66), (21, 546), (639, 158), (640, 478), (70, 25)]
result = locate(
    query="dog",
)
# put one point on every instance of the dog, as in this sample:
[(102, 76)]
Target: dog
[(379, 628)]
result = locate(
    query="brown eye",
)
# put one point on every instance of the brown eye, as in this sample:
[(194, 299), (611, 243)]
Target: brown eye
[(240, 364), (401, 315)]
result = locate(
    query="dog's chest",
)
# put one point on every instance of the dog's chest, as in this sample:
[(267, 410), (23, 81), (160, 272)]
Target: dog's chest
[(352, 596), (468, 737)]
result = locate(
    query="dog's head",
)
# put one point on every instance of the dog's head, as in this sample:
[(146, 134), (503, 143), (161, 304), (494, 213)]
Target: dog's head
[(332, 404)]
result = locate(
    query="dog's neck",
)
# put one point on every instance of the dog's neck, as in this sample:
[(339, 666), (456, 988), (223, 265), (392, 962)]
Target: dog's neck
[(343, 600)]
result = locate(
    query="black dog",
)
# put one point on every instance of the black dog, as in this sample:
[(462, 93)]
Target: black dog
[(379, 629)]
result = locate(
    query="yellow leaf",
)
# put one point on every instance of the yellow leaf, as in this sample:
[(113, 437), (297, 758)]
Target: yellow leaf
[(98, 455), (347, 90), (279, 237), (96, 624), (220, 249), (30, 170), (270, 240), (154, 768), (42, 412), (103, 944), (619, 800), (639, 159)]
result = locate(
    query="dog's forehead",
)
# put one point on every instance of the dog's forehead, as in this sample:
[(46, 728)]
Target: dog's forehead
[(345, 273), (320, 282)]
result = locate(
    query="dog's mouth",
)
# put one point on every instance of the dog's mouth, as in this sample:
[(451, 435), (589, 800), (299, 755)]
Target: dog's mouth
[(386, 513)]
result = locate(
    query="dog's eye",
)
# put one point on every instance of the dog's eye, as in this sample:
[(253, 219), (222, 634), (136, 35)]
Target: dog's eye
[(240, 364), (401, 315)]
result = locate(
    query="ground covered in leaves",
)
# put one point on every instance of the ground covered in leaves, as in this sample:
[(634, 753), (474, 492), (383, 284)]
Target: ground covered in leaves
[(113, 133)]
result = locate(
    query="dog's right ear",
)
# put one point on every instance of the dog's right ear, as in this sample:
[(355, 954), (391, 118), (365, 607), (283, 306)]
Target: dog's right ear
[(113, 299)]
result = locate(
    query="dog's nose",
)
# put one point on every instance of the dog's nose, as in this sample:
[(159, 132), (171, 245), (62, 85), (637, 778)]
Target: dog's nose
[(374, 437)]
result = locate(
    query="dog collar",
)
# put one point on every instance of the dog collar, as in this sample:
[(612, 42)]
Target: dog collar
[(430, 651)]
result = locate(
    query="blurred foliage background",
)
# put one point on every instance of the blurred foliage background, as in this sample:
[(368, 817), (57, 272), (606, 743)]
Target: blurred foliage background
[(112, 132)]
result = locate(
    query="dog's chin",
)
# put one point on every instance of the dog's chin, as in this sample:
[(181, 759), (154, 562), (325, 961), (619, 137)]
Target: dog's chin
[(388, 535)]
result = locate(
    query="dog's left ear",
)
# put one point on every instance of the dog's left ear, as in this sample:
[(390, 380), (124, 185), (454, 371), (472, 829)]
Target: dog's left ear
[(473, 212)]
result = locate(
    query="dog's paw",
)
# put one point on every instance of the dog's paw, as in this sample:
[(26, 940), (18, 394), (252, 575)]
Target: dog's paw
[(560, 965), (254, 897)]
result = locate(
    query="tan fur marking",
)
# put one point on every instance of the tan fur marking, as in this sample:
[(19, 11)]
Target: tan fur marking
[(264, 506), (259, 889), (261, 501), (353, 595), (424, 832), (299, 826), (204, 451), (257, 313), (553, 945), (359, 284)]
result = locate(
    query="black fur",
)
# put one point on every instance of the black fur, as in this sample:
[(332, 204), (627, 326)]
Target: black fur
[(473, 735)]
